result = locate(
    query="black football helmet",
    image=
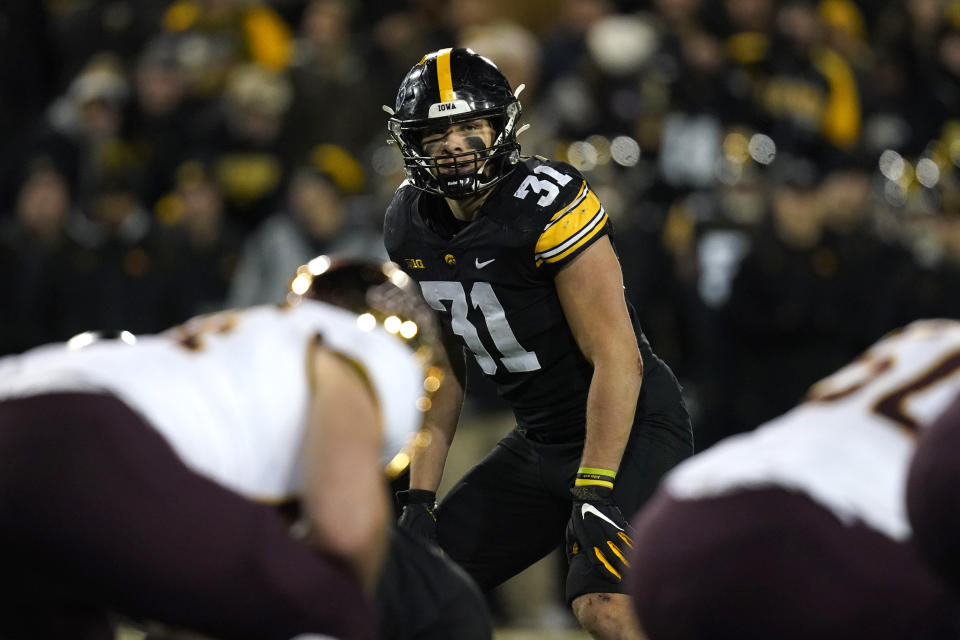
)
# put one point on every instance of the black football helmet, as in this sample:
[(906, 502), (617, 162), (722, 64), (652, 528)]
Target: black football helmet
[(451, 86)]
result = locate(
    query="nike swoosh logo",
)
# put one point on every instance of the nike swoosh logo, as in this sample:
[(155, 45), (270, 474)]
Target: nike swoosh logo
[(481, 265), (589, 508)]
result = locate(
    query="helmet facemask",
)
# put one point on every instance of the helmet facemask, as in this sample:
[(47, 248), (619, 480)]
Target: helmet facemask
[(465, 174)]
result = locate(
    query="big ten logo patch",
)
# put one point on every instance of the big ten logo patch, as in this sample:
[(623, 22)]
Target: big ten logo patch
[(415, 263)]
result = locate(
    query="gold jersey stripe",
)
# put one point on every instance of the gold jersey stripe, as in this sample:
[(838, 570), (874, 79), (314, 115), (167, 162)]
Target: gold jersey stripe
[(574, 227), (583, 237), (568, 226), (444, 79), (586, 202), (566, 222), (570, 207)]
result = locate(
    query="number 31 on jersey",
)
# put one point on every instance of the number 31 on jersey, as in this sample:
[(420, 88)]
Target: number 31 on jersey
[(513, 356)]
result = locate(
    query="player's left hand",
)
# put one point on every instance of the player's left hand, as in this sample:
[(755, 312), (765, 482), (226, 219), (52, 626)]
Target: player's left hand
[(419, 515), (598, 529)]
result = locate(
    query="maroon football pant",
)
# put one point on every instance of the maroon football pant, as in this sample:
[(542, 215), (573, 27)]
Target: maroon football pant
[(98, 515), (933, 496), (766, 564)]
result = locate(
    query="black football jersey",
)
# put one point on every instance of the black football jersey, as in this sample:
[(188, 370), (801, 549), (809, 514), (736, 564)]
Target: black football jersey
[(491, 281)]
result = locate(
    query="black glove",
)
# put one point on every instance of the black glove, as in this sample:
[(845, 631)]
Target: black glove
[(598, 529), (419, 515)]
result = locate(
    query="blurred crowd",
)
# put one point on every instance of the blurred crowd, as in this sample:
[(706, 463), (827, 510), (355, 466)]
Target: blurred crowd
[(783, 176)]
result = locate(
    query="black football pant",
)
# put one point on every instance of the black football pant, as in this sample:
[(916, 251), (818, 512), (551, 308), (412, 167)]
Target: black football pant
[(425, 596), (512, 508)]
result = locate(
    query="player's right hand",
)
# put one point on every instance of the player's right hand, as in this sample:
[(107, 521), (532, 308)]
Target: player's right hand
[(419, 515)]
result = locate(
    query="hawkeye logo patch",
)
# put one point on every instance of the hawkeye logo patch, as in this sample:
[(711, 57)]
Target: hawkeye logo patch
[(449, 259), (414, 263)]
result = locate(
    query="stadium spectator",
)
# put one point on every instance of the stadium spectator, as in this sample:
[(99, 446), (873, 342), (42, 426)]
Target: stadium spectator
[(220, 35), (84, 123), (211, 242), (332, 70), (245, 141), (27, 62), (124, 268), (162, 120), (319, 217), (810, 99), (35, 230), (803, 285)]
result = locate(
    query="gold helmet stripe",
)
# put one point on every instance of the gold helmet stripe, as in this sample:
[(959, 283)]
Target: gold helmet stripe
[(444, 79)]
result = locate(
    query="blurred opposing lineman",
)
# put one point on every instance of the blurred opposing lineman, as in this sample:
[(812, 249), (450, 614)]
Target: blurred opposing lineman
[(141, 479), (799, 529)]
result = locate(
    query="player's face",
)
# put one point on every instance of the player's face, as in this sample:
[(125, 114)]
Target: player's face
[(447, 143)]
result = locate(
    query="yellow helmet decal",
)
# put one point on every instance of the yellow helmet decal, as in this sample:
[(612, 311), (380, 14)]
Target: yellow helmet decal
[(444, 79)]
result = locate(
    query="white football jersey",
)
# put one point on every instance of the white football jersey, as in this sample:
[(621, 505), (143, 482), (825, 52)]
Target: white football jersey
[(849, 445), (229, 391)]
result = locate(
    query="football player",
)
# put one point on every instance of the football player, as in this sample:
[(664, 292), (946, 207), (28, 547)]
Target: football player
[(932, 503), (514, 254), (798, 529), (141, 476)]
